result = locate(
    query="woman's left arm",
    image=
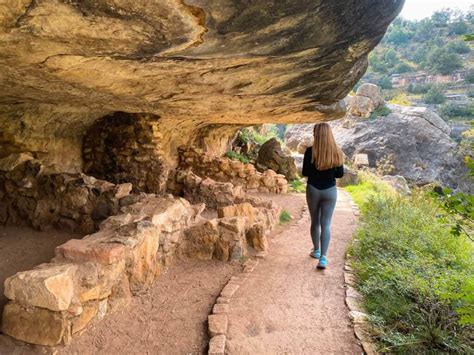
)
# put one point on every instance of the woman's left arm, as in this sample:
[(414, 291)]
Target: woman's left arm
[(306, 163), (339, 171)]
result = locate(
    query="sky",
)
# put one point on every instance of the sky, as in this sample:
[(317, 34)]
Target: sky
[(418, 9)]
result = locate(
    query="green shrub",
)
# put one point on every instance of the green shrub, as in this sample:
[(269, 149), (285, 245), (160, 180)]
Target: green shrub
[(452, 109), (469, 77), (285, 217), (237, 156), (402, 68), (249, 134), (368, 187), (459, 47), (418, 88), (470, 93), (297, 186), (380, 112), (435, 95), (385, 83), (414, 275), (442, 61)]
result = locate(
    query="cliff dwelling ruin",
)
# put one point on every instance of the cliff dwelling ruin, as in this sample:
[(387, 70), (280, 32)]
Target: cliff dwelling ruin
[(114, 118)]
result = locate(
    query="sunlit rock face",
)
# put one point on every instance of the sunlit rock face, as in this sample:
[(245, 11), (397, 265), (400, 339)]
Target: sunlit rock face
[(195, 64)]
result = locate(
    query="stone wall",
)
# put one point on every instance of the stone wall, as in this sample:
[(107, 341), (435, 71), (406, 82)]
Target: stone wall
[(32, 195), (226, 170), (133, 237), (124, 147), (98, 274)]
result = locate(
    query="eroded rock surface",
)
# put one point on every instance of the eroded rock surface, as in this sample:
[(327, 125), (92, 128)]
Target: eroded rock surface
[(194, 63), (411, 142), (232, 175)]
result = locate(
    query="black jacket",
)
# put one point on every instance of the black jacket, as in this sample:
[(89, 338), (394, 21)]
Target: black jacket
[(320, 179)]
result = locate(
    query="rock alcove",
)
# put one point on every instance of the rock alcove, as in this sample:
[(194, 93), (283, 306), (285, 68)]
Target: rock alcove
[(106, 106)]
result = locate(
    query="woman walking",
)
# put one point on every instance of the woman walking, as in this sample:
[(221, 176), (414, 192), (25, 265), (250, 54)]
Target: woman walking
[(322, 164)]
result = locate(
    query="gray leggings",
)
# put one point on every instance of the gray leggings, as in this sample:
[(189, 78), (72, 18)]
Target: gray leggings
[(321, 204)]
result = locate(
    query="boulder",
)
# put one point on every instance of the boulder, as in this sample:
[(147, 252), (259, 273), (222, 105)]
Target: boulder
[(199, 240), (424, 113), (213, 193), (398, 182), (299, 135), (123, 190), (372, 92), (232, 244), (35, 325), (87, 315), (95, 282), (306, 141), (95, 249), (257, 238), (142, 264), (298, 161), (361, 160), (361, 106), (410, 142), (238, 210), (13, 160), (272, 157), (351, 177)]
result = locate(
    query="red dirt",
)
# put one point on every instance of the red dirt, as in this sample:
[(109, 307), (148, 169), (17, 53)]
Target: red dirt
[(168, 319)]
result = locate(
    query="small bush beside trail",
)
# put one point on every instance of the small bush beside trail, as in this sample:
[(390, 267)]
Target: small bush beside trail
[(285, 217)]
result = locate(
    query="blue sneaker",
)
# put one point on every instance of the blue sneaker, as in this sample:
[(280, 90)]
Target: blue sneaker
[(323, 262), (316, 254)]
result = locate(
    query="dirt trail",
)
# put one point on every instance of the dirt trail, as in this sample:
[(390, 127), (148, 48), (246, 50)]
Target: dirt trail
[(288, 307)]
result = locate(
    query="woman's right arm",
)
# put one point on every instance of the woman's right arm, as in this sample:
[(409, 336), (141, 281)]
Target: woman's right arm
[(306, 162)]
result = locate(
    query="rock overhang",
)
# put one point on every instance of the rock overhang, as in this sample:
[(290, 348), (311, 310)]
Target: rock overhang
[(192, 63)]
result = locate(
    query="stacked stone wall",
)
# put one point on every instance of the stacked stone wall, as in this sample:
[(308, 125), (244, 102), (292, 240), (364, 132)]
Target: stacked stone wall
[(226, 170), (98, 274), (34, 197), (125, 147)]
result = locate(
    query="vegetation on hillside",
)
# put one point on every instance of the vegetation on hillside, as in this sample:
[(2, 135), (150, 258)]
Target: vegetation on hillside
[(433, 46), (415, 274)]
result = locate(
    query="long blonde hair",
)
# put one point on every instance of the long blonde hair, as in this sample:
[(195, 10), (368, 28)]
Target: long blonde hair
[(326, 152)]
